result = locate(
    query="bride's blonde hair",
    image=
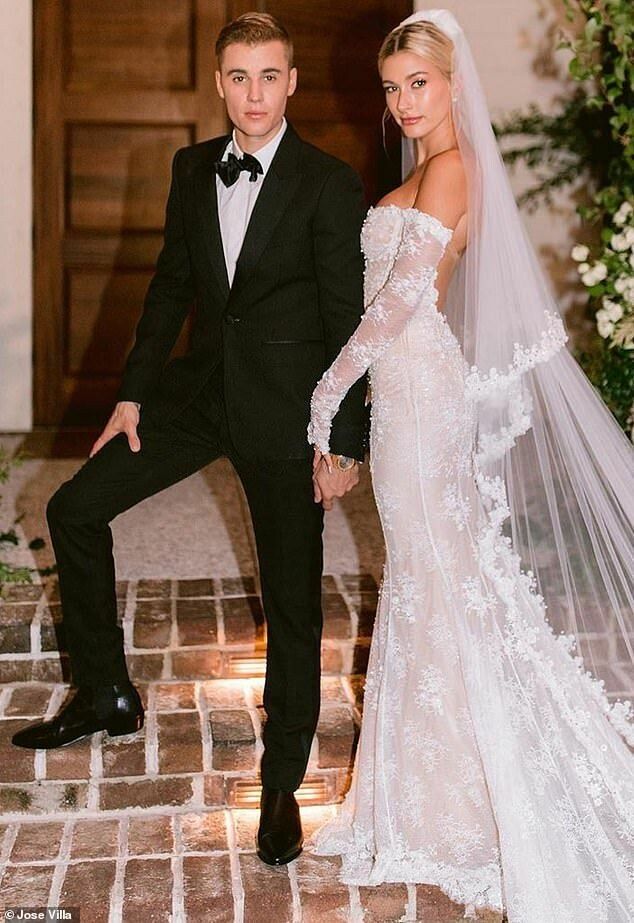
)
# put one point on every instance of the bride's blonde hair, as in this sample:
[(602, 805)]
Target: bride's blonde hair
[(421, 38)]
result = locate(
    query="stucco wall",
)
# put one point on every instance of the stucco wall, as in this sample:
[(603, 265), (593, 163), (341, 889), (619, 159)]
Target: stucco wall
[(15, 215)]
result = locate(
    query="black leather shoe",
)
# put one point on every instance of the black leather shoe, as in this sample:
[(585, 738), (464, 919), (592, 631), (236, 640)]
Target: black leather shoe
[(117, 709), (280, 836)]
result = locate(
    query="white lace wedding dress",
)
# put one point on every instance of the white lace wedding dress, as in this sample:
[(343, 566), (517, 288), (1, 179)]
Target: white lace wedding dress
[(489, 763)]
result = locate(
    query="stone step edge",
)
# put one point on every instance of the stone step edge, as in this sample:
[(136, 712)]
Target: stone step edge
[(320, 787), (337, 659)]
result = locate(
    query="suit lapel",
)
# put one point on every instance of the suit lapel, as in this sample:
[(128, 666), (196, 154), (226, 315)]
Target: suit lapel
[(207, 203), (279, 186)]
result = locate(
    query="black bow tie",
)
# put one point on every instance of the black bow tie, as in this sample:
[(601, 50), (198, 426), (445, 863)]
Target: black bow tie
[(229, 170)]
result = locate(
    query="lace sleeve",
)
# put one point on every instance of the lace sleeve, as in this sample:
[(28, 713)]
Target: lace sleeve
[(420, 242)]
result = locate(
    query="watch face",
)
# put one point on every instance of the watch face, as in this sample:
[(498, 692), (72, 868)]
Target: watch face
[(344, 462)]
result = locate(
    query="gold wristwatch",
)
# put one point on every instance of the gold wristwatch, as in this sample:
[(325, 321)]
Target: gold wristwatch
[(344, 462)]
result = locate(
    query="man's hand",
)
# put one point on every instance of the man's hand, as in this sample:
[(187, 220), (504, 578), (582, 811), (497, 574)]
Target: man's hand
[(330, 482), (125, 419)]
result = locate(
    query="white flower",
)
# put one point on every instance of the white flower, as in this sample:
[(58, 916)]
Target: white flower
[(611, 310), (583, 267), (604, 326), (632, 260), (580, 253), (616, 312), (629, 236), (619, 242), (625, 286), (624, 210), (595, 274)]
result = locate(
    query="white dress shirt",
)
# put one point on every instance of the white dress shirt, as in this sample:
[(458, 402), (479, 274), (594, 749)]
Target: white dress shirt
[(236, 202)]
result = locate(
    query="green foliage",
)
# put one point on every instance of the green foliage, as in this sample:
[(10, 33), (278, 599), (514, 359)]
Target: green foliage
[(611, 370), (560, 147), (604, 54), (8, 572), (590, 138)]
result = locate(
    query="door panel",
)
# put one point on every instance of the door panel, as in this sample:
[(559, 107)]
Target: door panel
[(117, 175), (143, 45)]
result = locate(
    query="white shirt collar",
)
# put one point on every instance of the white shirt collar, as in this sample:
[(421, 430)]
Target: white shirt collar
[(265, 154)]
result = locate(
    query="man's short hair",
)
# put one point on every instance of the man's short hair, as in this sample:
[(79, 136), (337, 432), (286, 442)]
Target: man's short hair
[(254, 29)]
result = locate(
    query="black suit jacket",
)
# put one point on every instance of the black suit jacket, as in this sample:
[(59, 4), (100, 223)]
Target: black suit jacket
[(296, 298)]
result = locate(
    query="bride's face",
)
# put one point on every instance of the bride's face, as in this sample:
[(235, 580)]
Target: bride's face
[(416, 92)]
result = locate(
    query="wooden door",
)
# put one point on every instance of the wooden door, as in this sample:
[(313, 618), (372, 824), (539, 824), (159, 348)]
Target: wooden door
[(119, 86)]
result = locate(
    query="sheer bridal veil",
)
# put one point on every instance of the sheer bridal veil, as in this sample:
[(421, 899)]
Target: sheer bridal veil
[(553, 467)]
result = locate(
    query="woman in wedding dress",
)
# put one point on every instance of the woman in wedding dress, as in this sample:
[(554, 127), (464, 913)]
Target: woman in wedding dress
[(490, 763)]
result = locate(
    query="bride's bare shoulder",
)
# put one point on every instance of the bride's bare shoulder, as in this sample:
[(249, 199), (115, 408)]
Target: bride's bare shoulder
[(401, 197), (443, 189)]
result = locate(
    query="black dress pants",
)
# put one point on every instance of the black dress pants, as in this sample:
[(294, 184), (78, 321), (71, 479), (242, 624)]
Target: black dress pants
[(288, 527)]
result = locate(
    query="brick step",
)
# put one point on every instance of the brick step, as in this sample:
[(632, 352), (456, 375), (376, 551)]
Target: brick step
[(180, 865), (200, 747), (183, 629)]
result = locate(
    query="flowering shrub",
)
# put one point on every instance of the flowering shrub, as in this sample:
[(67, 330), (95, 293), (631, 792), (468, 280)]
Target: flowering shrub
[(592, 137), (610, 278)]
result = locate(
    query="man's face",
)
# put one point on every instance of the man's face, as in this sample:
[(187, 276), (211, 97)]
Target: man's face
[(255, 81)]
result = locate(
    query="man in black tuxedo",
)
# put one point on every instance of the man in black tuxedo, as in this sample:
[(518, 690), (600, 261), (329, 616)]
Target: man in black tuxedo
[(262, 235)]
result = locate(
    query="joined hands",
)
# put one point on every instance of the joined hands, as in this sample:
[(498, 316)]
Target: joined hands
[(329, 481)]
